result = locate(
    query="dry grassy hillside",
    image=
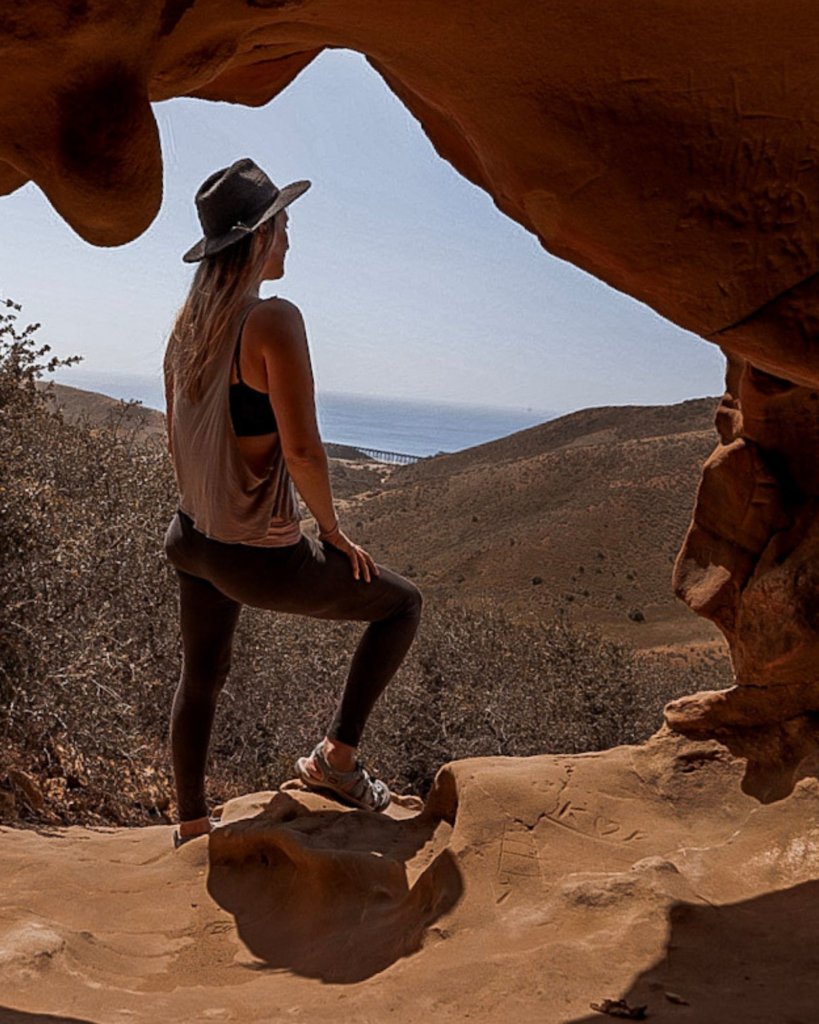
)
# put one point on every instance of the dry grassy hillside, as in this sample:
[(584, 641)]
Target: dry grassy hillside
[(586, 428), (96, 410), (581, 515), (584, 513)]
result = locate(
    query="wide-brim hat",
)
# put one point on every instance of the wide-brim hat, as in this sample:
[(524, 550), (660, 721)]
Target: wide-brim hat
[(234, 201)]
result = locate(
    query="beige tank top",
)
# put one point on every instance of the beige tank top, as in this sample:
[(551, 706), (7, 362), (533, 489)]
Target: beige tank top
[(224, 497)]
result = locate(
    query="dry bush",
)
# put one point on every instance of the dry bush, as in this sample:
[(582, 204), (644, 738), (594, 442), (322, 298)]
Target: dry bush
[(87, 642), (473, 684), (90, 654)]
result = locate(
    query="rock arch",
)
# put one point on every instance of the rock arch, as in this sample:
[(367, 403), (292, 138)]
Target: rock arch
[(675, 158)]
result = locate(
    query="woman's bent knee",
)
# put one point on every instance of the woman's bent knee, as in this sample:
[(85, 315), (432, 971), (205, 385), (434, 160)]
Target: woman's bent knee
[(413, 599)]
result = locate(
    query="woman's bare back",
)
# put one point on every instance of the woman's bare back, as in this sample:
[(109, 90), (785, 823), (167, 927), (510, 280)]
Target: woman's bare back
[(256, 450), (274, 358)]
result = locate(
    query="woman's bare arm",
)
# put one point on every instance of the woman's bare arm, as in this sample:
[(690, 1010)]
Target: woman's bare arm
[(282, 339), (278, 327)]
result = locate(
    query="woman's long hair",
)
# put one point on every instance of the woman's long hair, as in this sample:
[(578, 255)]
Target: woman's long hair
[(217, 293)]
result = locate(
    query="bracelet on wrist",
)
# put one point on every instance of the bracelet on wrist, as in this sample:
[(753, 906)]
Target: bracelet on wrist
[(329, 533)]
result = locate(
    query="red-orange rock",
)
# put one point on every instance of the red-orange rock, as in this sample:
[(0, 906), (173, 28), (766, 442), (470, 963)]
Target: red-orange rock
[(750, 560), (670, 156)]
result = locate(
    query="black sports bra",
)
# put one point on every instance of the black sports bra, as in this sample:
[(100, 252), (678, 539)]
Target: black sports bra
[(250, 409)]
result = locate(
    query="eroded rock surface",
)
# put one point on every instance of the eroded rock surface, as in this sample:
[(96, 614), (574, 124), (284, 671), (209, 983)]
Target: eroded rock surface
[(671, 154), (523, 889), (670, 157), (750, 560)]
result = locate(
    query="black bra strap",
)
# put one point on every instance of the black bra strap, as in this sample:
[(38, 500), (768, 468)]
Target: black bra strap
[(239, 343), (236, 354)]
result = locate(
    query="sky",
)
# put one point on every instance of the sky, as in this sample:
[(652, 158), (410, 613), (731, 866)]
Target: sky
[(411, 283)]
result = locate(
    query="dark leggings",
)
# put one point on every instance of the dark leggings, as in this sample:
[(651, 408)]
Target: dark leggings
[(306, 578)]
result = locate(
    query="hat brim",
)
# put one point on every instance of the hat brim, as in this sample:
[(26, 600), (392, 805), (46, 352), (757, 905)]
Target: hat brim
[(208, 246)]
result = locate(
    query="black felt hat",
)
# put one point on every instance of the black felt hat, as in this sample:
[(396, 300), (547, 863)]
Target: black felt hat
[(234, 201)]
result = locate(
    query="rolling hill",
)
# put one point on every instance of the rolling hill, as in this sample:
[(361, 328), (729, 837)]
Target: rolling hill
[(581, 516)]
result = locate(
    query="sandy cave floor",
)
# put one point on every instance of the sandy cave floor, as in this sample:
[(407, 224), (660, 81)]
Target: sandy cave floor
[(674, 874)]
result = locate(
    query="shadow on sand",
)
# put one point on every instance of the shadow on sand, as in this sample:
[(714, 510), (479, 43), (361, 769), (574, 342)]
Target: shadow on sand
[(326, 893), (9, 1016), (754, 962)]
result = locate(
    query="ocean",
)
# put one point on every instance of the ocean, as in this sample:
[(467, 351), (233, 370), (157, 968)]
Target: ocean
[(405, 426), (414, 427)]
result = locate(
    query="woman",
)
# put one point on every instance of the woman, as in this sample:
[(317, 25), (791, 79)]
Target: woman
[(242, 435)]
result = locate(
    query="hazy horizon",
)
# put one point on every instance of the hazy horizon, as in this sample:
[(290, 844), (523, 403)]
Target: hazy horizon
[(121, 389), (133, 386), (418, 427)]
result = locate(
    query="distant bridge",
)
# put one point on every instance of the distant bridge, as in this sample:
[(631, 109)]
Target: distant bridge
[(401, 458)]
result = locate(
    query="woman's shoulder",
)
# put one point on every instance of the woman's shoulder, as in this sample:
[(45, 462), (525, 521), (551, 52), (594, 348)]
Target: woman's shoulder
[(275, 318), (276, 305)]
